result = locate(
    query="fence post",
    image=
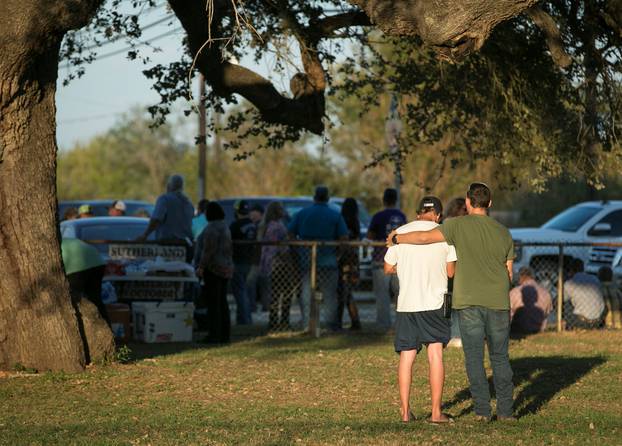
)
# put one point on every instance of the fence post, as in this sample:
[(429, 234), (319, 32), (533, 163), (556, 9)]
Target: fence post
[(560, 287), (314, 316)]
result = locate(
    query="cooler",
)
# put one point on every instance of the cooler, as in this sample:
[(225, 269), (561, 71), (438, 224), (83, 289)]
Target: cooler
[(162, 321)]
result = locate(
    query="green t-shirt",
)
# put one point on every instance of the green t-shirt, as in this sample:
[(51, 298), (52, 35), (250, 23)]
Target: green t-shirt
[(483, 246), (79, 256)]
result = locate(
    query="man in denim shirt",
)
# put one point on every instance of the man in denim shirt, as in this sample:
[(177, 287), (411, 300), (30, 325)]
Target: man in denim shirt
[(319, 222)]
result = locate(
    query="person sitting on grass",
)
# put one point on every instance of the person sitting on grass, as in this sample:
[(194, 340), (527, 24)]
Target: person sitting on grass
[(530, 304), (584, 305), (422, 272)]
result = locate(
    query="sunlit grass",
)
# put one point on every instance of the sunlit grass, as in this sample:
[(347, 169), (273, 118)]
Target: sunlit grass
[(298, 390)]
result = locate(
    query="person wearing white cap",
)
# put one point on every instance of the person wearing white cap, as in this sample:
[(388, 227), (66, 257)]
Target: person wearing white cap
[(117, 209), (422, 271)]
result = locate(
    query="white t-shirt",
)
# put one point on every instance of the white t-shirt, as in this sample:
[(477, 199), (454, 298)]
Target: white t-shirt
[(421, 270)]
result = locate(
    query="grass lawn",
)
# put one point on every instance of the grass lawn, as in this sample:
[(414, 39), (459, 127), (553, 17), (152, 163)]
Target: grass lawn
[(297, 390)]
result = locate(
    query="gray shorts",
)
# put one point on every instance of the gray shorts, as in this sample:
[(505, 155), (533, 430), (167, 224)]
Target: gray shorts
[(416, 329)]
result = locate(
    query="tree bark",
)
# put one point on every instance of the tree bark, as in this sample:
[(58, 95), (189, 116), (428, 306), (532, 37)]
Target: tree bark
[(38, 324), (454, 28)]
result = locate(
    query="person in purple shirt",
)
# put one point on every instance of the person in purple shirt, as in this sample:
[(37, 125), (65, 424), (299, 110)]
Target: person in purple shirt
[(382, 223)]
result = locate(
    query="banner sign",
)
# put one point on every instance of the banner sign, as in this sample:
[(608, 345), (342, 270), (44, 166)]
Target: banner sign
[(149, 290), (146, 252)]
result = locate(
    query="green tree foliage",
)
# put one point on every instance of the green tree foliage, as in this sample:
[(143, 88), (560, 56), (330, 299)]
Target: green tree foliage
[(131, 160), (508, 114)]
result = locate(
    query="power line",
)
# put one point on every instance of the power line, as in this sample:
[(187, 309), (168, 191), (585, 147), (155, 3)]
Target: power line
[(131, 47), (119, 37)]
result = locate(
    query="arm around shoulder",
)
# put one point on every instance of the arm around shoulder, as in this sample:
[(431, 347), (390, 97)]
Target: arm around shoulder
[(421, 237)]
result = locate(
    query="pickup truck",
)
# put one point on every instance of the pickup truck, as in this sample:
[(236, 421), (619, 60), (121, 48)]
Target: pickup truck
[(588, 222)]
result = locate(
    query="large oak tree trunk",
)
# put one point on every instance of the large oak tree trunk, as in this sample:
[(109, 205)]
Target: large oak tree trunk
[(38, 324)]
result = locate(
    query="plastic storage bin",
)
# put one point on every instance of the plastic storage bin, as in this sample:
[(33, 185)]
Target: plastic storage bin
[(162, 321)]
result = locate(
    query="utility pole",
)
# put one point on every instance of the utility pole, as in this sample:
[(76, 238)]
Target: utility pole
[(393, 128), (202, 138)]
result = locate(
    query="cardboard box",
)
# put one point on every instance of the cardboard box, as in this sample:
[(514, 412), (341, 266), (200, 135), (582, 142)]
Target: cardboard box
[(119, 315), (162, 321)]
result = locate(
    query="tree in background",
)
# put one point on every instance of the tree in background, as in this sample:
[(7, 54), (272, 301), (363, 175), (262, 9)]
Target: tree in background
[(131, 160)]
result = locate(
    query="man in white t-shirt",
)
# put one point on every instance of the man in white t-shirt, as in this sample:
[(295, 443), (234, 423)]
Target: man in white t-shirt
[(422, 271)]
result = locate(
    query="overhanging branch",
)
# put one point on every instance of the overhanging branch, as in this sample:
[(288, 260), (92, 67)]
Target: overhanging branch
[(453, 28), (551, 32)]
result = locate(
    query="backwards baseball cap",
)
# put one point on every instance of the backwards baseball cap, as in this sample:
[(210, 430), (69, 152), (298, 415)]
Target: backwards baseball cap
[(119, 205), (241, 207), (85, 209), (430, 203)]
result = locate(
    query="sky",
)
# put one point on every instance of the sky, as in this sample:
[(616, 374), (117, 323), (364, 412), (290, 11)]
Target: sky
[(112, 84)]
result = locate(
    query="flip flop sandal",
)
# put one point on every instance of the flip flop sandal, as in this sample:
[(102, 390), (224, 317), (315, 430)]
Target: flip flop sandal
[(447, 420)]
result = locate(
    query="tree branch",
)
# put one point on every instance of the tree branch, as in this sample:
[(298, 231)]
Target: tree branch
[(551, 32), (227, 78), (326, 26), (455, 29)]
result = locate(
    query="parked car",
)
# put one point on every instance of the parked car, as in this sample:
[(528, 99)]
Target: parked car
[(100, 230), (588, 222), (100, 207), (293, 205)]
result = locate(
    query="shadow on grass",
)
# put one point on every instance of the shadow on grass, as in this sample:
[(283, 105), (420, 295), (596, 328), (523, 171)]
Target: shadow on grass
[(264, 347), (539, 379)]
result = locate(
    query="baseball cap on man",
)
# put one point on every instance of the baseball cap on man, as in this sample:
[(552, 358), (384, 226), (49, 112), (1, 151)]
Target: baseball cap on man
[(241, 207), (85, 209), (119, 205), (429, 203)]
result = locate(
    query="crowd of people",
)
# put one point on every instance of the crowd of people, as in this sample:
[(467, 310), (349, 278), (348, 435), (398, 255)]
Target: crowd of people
[(269, 277), (451, 272)]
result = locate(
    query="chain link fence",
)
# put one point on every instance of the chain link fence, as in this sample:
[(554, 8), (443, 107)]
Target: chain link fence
[(313, 286)]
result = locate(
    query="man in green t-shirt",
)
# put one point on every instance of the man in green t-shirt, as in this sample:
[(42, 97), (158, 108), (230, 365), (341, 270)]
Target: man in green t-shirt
[(485, 254)]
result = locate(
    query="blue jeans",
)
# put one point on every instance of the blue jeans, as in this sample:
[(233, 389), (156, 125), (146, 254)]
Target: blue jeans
[(327, 283), (479, 325), (239, 290), (455, 327)]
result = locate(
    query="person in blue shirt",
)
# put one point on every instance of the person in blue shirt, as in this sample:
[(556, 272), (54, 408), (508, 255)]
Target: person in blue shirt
[(381, 225), (172, 217), (320, 222)]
